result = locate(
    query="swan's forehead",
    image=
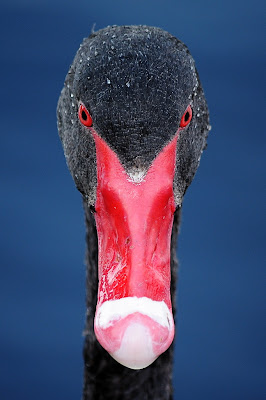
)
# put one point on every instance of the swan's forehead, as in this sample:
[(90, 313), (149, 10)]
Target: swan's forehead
[(136, 82), (141, 70)]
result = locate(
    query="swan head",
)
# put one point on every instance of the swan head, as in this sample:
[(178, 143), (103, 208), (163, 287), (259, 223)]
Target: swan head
[(133, 121)]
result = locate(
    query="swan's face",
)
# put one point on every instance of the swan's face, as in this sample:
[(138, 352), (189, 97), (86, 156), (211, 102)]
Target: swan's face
[(133, 121)]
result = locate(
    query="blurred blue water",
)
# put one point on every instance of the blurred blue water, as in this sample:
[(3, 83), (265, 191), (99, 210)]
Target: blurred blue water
[(220, 352)]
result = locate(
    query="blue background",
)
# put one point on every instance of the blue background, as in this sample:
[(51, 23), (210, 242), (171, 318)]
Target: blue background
[(219, 351)]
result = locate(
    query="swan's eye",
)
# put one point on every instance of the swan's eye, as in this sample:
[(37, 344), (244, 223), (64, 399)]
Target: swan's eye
[(84, 116), (92, 208), (186, 118)]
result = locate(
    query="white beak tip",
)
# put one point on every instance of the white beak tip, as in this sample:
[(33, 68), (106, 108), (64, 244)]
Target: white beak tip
[(134, 331), (136, 350)]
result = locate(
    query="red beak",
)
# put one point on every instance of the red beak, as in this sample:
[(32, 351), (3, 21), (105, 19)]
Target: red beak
[(134, 320)]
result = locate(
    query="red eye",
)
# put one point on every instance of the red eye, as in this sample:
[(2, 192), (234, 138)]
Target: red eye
[(186, 118), (84, 116)]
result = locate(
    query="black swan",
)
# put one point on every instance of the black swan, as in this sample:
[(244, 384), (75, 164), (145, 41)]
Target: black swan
[(133, 121)]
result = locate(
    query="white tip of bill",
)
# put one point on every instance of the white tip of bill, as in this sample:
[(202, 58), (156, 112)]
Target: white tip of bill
[(136, 350), (135, 331)]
